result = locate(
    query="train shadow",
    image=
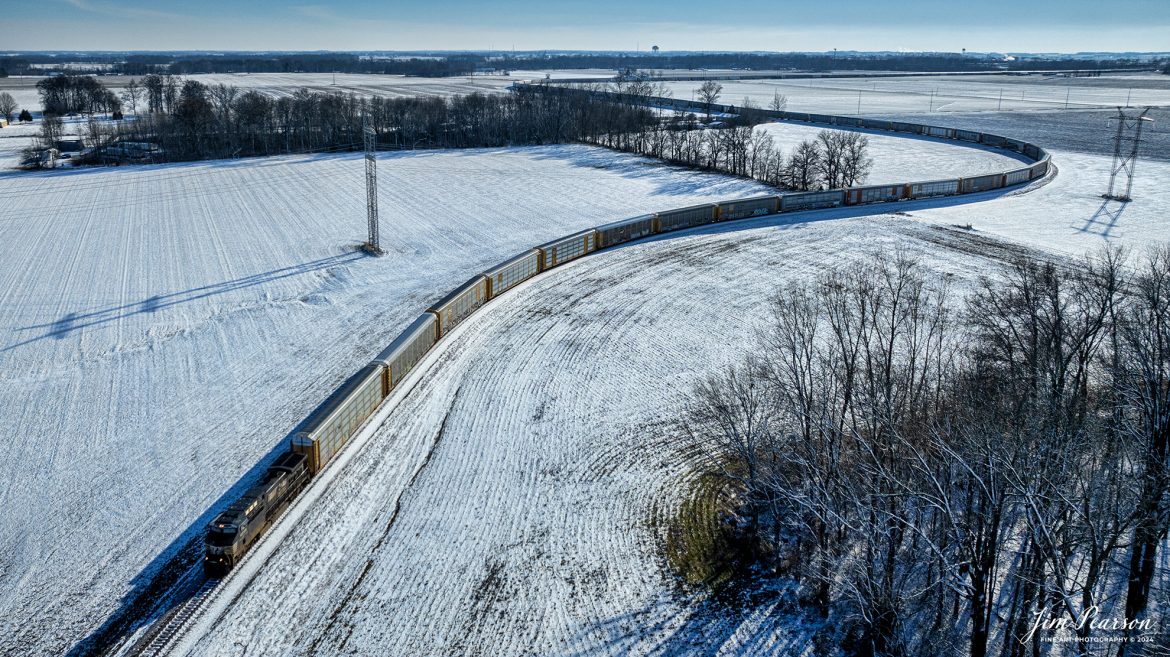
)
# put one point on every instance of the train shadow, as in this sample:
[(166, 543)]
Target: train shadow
[(160, 586), (172, 577)]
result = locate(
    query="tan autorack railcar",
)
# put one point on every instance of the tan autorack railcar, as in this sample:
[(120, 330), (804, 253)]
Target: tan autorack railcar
[(460, 303)]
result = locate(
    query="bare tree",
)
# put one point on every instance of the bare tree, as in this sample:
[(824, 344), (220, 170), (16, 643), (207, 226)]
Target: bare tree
[(52, 130), (803, 165), (8, 105), (131, 94), (709, 93), (1144, 384), (832, 160), (855, 162), (729, 419), (779, 102), (962, 476)]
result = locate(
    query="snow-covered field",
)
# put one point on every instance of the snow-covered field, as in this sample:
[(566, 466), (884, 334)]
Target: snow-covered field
[(164, 329), (944, 94), (903, 158), (511, 501)]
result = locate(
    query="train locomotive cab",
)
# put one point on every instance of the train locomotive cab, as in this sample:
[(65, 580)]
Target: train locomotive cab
[(232, 532), (224, 544)]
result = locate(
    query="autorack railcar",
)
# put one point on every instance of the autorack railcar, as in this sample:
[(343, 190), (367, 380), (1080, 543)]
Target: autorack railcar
[(695, 215), (568, 248), (625, 230), (512, 272), (748, 207)]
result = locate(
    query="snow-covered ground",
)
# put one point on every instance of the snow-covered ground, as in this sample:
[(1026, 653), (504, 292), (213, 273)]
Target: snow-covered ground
[(14, 139), (512, 502), (164, 328), (1068, 215), (944, 94)]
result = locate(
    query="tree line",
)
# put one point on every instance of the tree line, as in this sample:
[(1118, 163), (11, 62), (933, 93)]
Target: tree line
[(445, 64), (959, 482), (189, 120)]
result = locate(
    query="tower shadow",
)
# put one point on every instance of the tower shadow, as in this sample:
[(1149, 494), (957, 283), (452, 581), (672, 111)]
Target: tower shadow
[(1105, 219)]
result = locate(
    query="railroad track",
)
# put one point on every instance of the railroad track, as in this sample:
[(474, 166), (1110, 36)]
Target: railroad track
[(162, 636)]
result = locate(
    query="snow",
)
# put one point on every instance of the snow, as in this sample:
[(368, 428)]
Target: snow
[(512, 501), (943, 94), (905, 159), (164, 328), (1068, 215)]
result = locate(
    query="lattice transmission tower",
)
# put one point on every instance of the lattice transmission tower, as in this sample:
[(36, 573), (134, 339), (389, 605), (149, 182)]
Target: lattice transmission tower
[(369, 137), (1125, 150)]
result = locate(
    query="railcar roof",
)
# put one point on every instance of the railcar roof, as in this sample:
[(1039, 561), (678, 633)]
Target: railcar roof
[(475, 280)]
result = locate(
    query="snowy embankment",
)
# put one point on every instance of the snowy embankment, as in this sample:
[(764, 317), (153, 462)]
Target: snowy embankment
[(545, 425)]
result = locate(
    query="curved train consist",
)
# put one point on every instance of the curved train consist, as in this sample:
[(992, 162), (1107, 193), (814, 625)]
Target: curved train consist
[(329, 428)]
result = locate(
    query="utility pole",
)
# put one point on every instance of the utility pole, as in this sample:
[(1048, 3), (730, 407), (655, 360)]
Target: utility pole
[(371, 144), (859, 102), (931, 101), (1000, 105), (1124, 159)]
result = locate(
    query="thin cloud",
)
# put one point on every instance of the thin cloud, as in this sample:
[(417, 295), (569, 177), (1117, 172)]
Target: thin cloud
[(319, 12), (106, 9)]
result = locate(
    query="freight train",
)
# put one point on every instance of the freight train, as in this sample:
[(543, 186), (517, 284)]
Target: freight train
[(329, 428)]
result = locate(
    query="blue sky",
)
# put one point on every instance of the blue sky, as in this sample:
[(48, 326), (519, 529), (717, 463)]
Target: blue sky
[(977, 25)]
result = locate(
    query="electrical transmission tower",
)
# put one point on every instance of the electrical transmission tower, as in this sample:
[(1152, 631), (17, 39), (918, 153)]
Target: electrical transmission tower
[(1125, 150), (370, 139)]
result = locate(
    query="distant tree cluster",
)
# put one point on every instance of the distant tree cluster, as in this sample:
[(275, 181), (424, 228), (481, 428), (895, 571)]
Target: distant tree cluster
[(76, 94), (440, 66), (190, 120), (859, 61), (937, 482), (732, 145)]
